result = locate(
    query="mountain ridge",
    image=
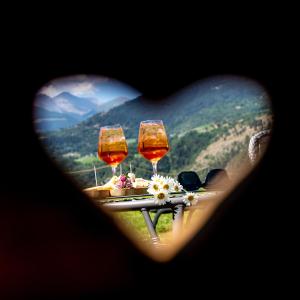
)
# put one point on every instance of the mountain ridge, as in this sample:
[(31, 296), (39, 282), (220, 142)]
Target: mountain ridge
[(196, 106), (69, 109)]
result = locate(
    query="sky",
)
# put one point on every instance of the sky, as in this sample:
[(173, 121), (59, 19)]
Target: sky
[(100, 89)]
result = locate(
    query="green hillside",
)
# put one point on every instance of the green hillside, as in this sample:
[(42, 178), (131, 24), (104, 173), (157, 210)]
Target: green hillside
[(220, 113)]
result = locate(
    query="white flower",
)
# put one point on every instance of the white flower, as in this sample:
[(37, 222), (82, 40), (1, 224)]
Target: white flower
[(167, 184), (161, 197), (154, 187), (131, 176), (157, 178), (191, 198), (177, 187)]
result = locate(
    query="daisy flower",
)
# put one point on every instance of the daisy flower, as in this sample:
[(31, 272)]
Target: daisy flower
[(167, 184), (157, 178), (177, 187), (161, 197), (189, 198), (154, 187)]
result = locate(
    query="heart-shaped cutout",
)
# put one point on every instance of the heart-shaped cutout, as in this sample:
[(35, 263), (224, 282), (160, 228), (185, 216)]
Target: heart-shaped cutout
[(208, 138)]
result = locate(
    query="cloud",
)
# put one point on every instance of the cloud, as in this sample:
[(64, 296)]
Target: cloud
[(98, 89), (80, 89), (50, 90), (217, 87)]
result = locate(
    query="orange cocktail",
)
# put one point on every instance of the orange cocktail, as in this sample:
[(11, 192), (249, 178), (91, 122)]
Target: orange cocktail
[(153, 141), (112, 146)]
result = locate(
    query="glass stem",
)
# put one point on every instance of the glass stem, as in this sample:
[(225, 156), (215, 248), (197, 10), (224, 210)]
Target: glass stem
[(154, 165), (114, 168)]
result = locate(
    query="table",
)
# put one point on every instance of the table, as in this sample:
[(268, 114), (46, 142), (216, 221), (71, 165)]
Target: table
[(145, 203)]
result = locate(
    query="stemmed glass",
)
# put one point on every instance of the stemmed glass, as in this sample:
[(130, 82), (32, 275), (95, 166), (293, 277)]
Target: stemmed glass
[(112, 146), (153, 141)]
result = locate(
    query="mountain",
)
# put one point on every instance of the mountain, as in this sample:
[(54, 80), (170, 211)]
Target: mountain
[(207, 112), (112, 103), (66, 103), (51, 120), (66, 110), (195, 106), (212, 102)]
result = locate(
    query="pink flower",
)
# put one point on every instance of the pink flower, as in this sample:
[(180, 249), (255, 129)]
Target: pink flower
[(123, 182), (123, 178)]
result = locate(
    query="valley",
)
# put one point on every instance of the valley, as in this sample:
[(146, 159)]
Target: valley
[(209, 126)]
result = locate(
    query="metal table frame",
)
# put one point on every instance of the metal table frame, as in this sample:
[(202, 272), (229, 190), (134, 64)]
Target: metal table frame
[(175, 205)]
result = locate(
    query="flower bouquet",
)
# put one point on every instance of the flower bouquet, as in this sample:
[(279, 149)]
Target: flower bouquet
[(129, 185), (161, 187)]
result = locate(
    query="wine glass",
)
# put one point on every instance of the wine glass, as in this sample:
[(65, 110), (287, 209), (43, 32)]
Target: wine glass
[(153, 141), (112, 146)]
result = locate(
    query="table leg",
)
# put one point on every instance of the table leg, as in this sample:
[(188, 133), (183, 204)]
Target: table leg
[(151, 229)]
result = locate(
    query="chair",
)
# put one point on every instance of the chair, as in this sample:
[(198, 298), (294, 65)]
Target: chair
[(189, 180), (257, 145), (216, 179)]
